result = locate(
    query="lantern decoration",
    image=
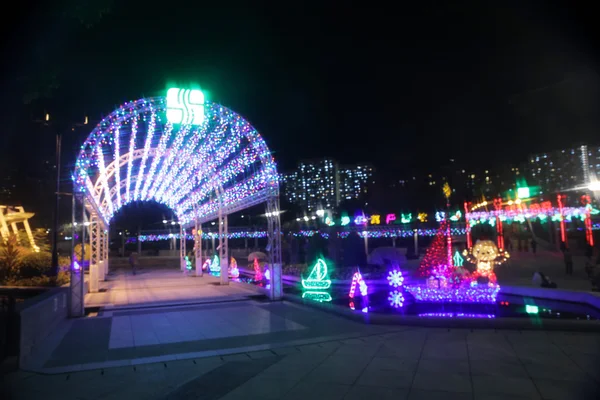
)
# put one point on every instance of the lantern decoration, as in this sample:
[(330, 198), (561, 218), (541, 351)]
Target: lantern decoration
[(234, 272)]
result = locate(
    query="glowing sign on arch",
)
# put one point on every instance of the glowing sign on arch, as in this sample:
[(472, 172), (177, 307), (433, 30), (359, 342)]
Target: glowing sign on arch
[(185, 106)]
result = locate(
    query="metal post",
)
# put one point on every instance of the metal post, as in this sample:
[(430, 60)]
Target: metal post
[(223, 250), (100, 251), (76, 292), (94, 244), (54, 269), (181, 249), (416, 238), (274, 247), (139, 242), (106, 252), (198, 249)]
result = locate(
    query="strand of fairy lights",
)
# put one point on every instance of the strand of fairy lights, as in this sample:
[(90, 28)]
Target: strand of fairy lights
[(104, 180), (165, 167), (147, 145), (162, 147), (117, 168), (130, 158), (183, 157)]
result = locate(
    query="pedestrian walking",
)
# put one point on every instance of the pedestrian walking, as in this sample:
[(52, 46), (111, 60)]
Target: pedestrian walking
[(133, 261), (568, 261)]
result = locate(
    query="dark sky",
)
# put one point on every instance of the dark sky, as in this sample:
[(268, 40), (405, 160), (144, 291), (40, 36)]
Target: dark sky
[(397, 85)]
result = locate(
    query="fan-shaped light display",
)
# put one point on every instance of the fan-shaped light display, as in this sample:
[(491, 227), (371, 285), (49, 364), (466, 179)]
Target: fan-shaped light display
[(136, 154)]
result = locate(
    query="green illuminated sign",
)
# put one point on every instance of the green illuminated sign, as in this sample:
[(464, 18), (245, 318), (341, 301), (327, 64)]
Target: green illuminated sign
[(529, 309), (185, 106), (523, 193)]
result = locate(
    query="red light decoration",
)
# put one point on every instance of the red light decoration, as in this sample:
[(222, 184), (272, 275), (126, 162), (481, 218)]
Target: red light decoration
[(435, 261), (589, 235), (498, 207), (563, 236)]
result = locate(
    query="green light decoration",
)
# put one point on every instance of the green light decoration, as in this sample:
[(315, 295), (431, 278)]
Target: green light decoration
[(529, 309), (406, 218), (188, 263), (318, 278), (215, 266), (345, 220), (317, 296), (458, 259), (185, 106)]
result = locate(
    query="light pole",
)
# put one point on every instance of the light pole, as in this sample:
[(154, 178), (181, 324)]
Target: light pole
[(54, 267)]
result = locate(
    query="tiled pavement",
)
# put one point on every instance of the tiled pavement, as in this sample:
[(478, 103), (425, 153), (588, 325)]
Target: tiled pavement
[(382, 363)]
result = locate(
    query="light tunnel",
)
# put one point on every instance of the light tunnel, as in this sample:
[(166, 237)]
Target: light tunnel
[(136, 154), (196, 157)]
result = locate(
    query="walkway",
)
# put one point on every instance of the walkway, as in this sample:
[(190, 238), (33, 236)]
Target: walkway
[(160, 286), (369, 362)]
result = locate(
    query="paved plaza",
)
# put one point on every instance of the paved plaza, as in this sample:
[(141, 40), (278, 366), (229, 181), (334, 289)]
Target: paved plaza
[(158, 335), (345, 360)]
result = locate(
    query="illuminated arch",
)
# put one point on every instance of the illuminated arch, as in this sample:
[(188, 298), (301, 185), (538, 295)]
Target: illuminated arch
[(135, 154)]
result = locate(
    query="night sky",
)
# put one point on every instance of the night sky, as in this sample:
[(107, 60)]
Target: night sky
[(396, 85)]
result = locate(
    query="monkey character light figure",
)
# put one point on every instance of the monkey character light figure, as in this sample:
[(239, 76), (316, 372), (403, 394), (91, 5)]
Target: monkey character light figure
[(485, 255)]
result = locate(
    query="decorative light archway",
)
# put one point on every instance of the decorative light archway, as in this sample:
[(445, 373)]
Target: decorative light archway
[(197, 157), (135, 154)]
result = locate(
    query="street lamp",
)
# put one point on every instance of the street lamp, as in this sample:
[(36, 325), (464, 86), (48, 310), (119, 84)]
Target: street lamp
[(594, 186)]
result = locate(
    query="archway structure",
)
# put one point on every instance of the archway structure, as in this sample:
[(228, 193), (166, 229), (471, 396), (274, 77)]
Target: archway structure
[(197, 157)]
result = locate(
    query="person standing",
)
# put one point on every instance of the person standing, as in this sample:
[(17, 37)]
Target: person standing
[(568, 261), (133, 261), (533, 246)]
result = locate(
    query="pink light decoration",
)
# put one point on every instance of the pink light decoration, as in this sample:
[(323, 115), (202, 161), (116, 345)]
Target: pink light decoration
[(468, 226), (390, 218), (357, 280)]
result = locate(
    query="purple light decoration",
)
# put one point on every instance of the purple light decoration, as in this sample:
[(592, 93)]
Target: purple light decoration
[(267, 273), (396, 299), (395, 278), (478, 294), (456, 315), (76, 266)]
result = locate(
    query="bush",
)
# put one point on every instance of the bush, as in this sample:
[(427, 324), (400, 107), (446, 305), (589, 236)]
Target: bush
[(62, 279), (10, 258), (35, 264)]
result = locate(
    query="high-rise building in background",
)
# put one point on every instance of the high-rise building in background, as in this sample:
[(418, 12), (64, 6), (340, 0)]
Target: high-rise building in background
[(564, 169), (354, 180), (323, 183)]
